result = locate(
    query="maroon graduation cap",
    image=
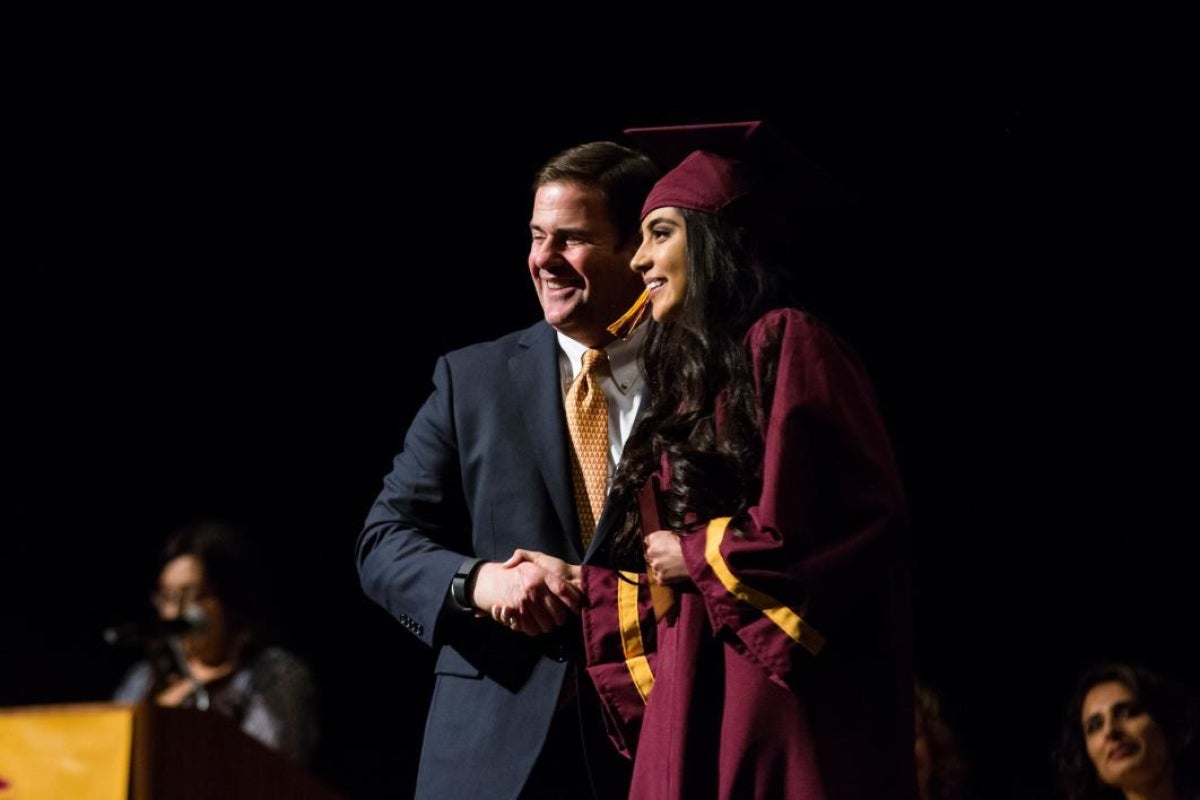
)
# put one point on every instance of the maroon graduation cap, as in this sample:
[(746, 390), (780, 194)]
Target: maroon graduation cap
[(713, 166)]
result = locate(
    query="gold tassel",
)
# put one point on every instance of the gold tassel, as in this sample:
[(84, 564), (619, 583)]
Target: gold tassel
[(624, 326)]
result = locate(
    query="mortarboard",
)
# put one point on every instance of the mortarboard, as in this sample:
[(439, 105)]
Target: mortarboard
[(719, 167), (712, 166)]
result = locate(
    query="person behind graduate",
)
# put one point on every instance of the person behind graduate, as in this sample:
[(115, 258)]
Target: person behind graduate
[(941, 770), (751, 631), (223, 660)]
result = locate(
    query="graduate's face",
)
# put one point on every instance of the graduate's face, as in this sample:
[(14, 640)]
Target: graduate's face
[(1126, 745), (579, 266), (662, 261)]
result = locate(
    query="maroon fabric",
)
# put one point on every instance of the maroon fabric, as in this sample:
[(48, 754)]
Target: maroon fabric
[(706, 171), (702, 182), (620, 699), (670, 144), (712, 165), (739, 709)]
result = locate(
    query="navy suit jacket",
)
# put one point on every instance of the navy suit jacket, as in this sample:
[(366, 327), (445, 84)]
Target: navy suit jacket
[(484, 470)]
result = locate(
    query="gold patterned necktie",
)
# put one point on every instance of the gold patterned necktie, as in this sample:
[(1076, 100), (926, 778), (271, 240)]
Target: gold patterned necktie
[(587, 420)]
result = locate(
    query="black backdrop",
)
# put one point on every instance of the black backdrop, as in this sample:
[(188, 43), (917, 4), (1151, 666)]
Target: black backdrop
[(241, 236)]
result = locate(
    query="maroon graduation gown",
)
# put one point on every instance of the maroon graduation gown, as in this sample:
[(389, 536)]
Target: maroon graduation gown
[(784, 668)]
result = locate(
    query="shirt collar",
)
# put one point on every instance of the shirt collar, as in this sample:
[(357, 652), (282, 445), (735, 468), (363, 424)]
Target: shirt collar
[(622, 357)]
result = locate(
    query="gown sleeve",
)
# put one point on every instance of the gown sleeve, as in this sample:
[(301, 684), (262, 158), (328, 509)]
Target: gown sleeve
[(619, 634), (784, 579)]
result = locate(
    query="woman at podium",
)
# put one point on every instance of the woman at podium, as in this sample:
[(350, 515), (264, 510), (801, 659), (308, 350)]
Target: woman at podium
[(210, 650)]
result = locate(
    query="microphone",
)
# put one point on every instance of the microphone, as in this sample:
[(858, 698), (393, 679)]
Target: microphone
[(192, 620)]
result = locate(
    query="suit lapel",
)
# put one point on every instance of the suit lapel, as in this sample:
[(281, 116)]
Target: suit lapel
[(535, 376), (604, 528)]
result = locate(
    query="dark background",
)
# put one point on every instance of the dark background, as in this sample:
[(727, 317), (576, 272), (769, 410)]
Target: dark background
[(239, 237)]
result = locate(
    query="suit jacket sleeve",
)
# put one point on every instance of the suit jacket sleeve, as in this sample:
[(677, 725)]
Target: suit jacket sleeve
[(483, 470), (415, 535)]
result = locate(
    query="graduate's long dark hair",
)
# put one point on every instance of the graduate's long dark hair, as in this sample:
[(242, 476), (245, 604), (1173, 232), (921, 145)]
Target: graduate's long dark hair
[(696, 364)]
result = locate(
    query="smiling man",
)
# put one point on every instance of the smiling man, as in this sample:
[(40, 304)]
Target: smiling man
[(487, 467)]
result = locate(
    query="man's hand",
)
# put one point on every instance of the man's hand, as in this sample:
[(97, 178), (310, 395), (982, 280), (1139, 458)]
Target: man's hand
[(531, 592)]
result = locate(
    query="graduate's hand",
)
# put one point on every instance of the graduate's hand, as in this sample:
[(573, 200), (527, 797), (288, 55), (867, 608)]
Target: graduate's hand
[(664, 557)]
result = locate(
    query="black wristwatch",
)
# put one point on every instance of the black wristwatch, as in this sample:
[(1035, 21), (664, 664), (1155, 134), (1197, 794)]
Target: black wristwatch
[(463, 585)]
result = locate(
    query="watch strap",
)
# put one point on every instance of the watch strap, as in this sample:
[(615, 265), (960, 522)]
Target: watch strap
[(462, 584)]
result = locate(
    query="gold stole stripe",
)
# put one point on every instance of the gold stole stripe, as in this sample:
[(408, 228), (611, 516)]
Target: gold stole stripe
[(787, 619), (631, 634)]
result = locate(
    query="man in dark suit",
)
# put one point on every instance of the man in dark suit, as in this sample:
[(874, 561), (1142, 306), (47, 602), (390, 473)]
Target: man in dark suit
[(486, 469)]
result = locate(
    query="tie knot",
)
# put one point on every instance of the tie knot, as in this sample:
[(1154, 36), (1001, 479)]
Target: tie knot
[(593, 358)]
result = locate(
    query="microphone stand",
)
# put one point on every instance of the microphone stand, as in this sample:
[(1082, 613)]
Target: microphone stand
[(202, 698)]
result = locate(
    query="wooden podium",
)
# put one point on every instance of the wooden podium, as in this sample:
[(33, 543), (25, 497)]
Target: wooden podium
[(112, 751)]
